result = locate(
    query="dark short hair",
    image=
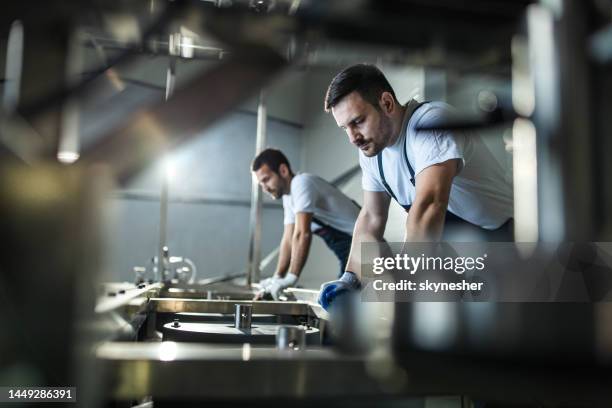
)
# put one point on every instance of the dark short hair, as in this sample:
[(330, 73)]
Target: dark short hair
[(273, 158), (366, 79)]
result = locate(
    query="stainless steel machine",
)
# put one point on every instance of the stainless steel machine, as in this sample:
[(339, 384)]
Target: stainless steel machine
[(173, 343)]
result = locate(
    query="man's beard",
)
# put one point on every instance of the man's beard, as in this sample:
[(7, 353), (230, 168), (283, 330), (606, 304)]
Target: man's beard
[(279, 192), (384, 130), (275, 195)]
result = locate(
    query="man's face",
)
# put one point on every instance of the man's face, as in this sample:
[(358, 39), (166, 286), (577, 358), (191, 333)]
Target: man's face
[(367, 127), (270, 181)]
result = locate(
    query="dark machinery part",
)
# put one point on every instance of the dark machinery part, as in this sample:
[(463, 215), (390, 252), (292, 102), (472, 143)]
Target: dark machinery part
[(220, 333)]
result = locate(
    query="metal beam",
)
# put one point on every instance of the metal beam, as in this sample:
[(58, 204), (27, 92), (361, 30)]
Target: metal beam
[(254, 272)]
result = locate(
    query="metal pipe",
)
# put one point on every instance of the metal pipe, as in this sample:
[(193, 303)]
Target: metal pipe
[(141, 195), (291, 338), (162, 252), (14, 61), (29, 146), (243, 316), (565, 160), (256, 198), (69, 143)]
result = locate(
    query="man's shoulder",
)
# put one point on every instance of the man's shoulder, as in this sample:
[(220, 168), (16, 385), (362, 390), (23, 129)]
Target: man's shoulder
[(303, 178), (308, 179), (305, 182), (431, 113), (286, 199)]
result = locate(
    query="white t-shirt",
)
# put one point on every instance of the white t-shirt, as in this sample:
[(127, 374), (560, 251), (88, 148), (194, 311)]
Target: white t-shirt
[(480, 193), (312, 194)]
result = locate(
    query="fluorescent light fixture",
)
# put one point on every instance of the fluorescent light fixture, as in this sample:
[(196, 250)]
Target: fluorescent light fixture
[(67, 157), (169, 169)]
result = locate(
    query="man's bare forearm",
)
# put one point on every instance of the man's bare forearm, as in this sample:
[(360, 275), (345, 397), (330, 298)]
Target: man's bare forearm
[(425, 222), (300, 246), (284, 258), (367, 229)]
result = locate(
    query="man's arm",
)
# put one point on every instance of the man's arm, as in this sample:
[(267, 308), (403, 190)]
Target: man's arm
[(369, 227), (281, 279), (284, 255), (425, 220), (300, 242)]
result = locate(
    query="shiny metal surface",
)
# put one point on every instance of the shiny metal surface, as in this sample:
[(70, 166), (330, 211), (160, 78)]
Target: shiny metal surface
[(162, 248), (204, 294), (227, 334), (116, 297), (218, 317), (243, 316), (309, 296), (226, 306), (218, 290), (290, 338), (182, 370), (306, 295)]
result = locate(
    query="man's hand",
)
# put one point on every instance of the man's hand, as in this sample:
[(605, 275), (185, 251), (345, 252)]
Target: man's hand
[(348, 282), (275, 285), (264, 283)]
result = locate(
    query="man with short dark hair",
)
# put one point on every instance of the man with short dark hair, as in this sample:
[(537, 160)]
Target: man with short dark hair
[(442, 178), (310, 204)]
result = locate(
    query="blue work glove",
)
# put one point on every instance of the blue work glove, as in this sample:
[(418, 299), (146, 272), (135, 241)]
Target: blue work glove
[(348, 282)]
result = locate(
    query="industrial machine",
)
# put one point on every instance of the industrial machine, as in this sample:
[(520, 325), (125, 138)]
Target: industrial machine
[(173, 338)]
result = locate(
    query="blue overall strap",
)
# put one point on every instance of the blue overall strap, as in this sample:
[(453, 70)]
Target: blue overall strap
[(321, 223), (382, 176), (410, 169), (450, 216)]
